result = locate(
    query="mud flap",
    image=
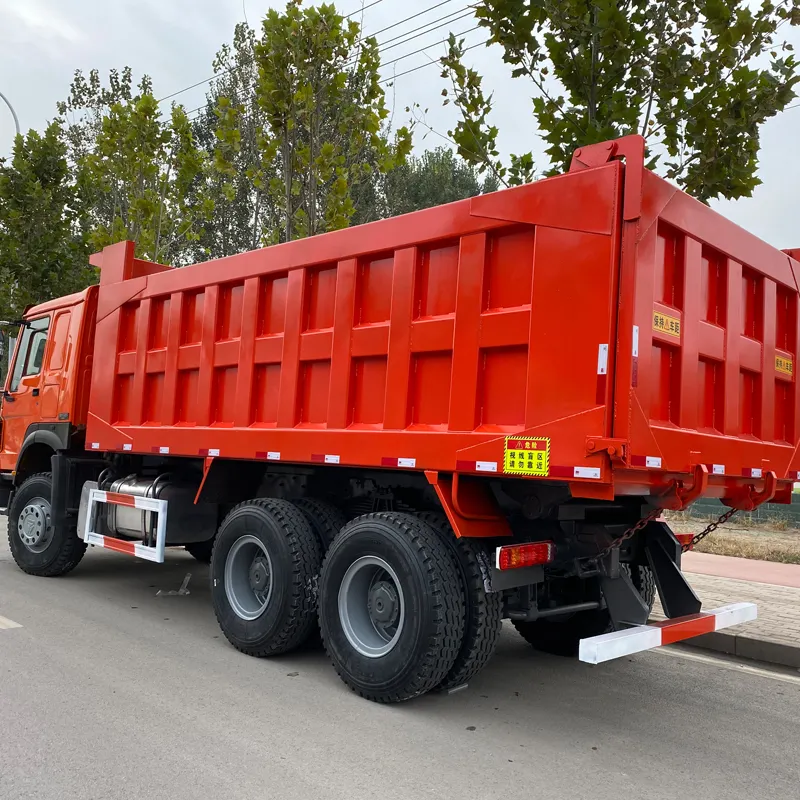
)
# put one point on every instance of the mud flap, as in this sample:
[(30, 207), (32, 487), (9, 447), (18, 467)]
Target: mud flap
[(663, 553)]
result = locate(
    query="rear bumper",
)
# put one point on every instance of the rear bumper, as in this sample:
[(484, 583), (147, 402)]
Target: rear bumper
[(616, 644)]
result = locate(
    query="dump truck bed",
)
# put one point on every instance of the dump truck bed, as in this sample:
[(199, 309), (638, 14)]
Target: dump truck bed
[(599, 328)]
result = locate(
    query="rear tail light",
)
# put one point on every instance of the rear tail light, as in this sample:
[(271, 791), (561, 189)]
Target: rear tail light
[(685, 539), (529, 554)]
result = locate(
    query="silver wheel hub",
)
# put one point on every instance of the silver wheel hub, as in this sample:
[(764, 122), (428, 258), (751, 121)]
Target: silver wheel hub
[(34, 526), (371, 606), (248, 577)]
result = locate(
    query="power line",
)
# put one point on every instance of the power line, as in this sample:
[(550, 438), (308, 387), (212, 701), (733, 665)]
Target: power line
[(388, 63), (430, 63), (375, 33)]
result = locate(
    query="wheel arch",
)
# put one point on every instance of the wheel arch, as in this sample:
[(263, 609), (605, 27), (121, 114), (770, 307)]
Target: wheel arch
[(41, 443)]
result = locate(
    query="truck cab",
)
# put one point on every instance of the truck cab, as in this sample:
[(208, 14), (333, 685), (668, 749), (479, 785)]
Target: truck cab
[(46, 391)]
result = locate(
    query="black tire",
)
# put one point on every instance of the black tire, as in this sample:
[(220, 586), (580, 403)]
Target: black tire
[(61, 549), (561, 635), (483, 610), (428, 640), (289, 615), (325, 519), (201, 550)]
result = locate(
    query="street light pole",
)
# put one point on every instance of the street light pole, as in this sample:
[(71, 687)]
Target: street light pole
[(13, 113)]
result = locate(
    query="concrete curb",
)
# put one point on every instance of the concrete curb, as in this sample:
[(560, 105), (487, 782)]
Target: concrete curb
[(747, 646)]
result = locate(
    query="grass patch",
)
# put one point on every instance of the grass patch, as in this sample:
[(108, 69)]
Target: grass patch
[(774, 542)]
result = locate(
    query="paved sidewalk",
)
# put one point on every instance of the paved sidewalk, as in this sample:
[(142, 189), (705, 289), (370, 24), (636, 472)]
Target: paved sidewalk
[(775, 636), (743, 569)]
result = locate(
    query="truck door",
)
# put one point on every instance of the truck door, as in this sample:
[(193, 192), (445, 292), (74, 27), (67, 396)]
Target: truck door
[(21, 398)]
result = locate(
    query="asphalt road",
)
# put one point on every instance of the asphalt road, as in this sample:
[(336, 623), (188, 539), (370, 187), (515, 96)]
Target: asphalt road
[(110, 691)]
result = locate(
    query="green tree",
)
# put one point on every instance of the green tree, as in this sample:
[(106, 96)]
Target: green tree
[(436, 177), (244, 214), (324, 119), (696, 77), (43, 248), (137, 179)]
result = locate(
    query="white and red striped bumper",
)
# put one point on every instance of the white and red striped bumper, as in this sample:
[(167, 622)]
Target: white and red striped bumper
[(158, 507), (616, 644)]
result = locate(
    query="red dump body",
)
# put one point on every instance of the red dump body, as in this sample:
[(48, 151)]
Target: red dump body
[(600, 328)]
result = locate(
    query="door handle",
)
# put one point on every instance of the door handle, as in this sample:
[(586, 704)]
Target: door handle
[(35, 392)]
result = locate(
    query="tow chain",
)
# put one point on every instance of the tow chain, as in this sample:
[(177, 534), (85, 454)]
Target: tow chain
[(654, 515), (723, 518)]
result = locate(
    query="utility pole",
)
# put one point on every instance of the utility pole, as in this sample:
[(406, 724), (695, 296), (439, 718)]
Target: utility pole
[(13, 113)]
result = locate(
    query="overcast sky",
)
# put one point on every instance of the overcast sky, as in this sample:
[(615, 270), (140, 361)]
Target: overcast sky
[(42, 42)]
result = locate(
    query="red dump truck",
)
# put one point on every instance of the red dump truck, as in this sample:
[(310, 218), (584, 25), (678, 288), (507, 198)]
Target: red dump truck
[(407, 431)]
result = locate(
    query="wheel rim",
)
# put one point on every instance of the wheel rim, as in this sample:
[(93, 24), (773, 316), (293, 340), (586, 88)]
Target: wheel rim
[(34, 526), (372, 606), (248, 577)]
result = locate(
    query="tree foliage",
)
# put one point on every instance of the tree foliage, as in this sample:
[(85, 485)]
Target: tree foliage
[(43, 251), (244, 213), (696, 77), (323, 119), (436, 177), (144, 167)]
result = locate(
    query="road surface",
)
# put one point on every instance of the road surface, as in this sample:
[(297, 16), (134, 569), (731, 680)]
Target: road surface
[(110, 691)]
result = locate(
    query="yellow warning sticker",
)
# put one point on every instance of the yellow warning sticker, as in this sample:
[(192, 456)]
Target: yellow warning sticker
[(784, 365), (526, 455), (666, 324)]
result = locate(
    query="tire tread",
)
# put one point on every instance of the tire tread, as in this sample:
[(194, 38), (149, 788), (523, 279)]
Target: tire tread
[(445, 641)]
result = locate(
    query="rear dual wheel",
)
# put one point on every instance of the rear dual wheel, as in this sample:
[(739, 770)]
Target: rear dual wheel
[(482, 610), (264, 571), (391, 607)]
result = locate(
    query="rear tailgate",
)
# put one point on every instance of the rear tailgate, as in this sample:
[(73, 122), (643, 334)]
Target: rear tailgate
[(707, 344)]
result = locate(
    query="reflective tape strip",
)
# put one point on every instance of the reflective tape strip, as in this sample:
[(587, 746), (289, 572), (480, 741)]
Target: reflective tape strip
[(160, 450), (591, 473), (716, 469), (116, 499), (127, 447), (652, 462), (608, 646), (602, 360), (602, 374), (408, 463), (212, 453), (753, 472), (127, 548), (327, 458), (476, 466), (270, 455), (635, 359), (95, 445)]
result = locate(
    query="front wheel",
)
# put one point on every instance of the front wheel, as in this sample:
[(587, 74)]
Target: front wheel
[(391, 607), (39, 547)]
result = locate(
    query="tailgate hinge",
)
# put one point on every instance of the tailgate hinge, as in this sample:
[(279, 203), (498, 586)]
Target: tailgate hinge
[(616, 449)]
